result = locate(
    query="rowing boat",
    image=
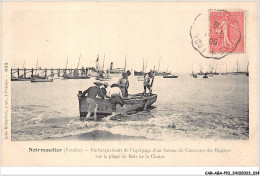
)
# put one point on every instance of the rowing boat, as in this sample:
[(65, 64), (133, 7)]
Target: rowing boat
[(134, 102)]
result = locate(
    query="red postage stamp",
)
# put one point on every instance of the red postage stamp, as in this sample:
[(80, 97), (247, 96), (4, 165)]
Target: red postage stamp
[(227, 31)]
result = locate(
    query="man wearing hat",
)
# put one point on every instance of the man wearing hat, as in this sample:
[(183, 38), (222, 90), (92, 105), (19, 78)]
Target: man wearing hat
[(92, 92), (123, 83)]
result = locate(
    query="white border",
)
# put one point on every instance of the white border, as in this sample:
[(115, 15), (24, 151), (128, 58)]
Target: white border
[(124, 170)]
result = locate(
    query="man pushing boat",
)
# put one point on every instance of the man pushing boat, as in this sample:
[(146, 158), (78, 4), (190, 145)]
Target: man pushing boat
[(93, 92), (106, 106)]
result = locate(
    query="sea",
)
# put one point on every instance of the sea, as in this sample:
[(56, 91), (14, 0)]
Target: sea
[(186, 108)]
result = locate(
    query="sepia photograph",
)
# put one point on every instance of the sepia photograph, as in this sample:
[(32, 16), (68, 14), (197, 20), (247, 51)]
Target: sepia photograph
[(141, 72), (81, 84)]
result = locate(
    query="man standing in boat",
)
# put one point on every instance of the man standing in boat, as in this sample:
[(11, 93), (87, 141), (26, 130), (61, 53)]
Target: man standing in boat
[(148, 82), (93, 92), (123, 84), (128, 73)]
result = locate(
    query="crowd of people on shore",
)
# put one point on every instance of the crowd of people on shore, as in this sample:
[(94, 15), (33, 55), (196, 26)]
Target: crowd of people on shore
[(115, 92)]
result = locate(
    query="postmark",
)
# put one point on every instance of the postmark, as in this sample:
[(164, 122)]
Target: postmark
[(226, 31), (217, 33)]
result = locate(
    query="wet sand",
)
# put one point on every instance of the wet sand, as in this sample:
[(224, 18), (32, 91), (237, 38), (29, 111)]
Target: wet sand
[(98, 135)]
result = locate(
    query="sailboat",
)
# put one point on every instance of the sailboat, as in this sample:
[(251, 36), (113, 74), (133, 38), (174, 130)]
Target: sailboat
[(76, 75), (20, 77), (158, 73), (141, 74), (205, 76), (117, 71), (200, 73), (192, 73), (169, 75), (103, 75), (226, 69), (38, 78)]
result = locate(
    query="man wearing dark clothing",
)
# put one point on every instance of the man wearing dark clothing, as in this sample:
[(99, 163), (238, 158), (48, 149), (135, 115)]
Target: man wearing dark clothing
[(90, 100), (104, 89)]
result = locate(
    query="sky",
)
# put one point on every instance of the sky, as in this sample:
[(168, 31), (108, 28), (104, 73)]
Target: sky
[(53, 32)]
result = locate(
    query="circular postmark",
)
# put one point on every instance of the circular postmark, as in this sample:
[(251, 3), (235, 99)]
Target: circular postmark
[(216, 34)]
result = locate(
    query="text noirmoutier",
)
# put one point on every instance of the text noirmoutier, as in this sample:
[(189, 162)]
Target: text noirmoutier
[(45, 150)]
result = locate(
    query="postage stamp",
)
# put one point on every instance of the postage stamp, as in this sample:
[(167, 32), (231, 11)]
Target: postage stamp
[(227, 31)]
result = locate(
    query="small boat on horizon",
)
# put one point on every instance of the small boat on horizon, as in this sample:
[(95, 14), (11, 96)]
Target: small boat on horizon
[(194, 76), (169, 75), (205, 76), (20, 79)]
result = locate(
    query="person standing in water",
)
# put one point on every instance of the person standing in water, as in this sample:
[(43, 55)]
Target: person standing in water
[(92, 93)]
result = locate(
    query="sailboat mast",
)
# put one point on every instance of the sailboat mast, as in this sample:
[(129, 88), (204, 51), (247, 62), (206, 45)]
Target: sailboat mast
[(104, 62), (125, 62), (67, 63), (143, 64), (168, 67), (23, 68), (78, 62), (37, 70), (159, 65)]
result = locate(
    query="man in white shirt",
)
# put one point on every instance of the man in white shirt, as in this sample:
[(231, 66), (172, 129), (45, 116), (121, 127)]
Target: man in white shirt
[(115, 97)]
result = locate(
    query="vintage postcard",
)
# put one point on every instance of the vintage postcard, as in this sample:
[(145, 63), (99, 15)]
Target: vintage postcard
[(129, 84)]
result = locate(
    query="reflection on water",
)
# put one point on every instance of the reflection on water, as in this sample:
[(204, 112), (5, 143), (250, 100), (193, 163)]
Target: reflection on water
[(214, 108)]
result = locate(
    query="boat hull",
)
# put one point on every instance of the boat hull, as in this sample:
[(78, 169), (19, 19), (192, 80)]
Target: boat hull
[(20, 79), (41, 80), (135, 102), (170, 76), (137, 73), (76, 77)]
